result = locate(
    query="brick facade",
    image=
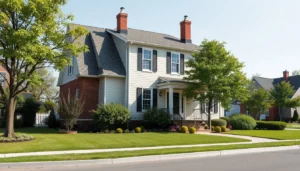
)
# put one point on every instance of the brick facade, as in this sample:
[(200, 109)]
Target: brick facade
[(2, 69)]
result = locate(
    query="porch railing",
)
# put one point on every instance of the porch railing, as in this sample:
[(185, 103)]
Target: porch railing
[(176, 114)]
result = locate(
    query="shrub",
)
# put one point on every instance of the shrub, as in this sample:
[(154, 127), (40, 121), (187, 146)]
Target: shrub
[(126, 131), (110, 114), (242, 122), (192, 130), (112, 131), (18, 122), (271, 125), (212, 128), (184, 129), (205, 127), (218, 122), (119, 130), (51, 121), (29, 110), (223, 128), (142, 128), (106, 131), (49, 105), (138, 130), (295, 117), (227, 119), (217, 129), (174, 128), (157, 118)]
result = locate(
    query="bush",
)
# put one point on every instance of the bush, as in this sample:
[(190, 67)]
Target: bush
[(242, 122), (18, 122), (192, 130), (138, 130), (217, 129), (205, 127), (119, 130), (295, 117), (212, 128), (158, 118), (106, 131), (184, 129), (109, 115), (126, 131), (223, 128), (112, 131), (271, 125), (51, 121), (29, 110), (218, 122), (227, 119), (49, 105)]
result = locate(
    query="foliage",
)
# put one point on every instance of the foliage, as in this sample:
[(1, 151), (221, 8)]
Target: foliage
[(295, 116), (52, 121), (271, 125), (212, 128), (138, 130), (29, 110), (223, 128), (126, 131), (174, 128), (33, 36), (119, 130), (184, 129), (218, 122), (258, 102), (281, 94), (192, 130), (242, 122), (296, 72), (157, 117), (226, 119), (218, 129), (205, 127), (69, 110), (111, 114), (18, 122), (49, 105), (19, 138), (215, 75)]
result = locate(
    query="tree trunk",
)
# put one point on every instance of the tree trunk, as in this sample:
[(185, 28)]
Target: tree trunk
[(209, 116), (10, 118)]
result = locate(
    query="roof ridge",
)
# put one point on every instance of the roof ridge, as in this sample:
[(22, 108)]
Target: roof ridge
[(88, 26)]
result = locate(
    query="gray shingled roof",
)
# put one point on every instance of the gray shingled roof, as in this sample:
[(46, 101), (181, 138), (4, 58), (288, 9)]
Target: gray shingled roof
[(268, 83), (160, 39)]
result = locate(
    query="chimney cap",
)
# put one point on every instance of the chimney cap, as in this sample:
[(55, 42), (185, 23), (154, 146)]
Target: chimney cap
[(185, 17), (122, 10)]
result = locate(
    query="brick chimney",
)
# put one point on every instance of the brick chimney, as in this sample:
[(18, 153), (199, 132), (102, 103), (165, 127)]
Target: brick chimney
[(286, 75), (185, 30), (122, 21)]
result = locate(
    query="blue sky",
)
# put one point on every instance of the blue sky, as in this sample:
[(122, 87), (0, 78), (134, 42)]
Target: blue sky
[(264, 34)]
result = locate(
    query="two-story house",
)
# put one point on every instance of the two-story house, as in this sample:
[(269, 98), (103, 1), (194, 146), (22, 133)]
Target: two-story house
[(139, 69)]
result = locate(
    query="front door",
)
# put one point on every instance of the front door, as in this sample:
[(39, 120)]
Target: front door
[(176, 106)]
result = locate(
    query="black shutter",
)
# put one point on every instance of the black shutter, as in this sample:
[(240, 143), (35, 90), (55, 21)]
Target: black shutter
[(154, 100), (182, 104), (168, 62), (139, 93), (216, 107), (140, 59), (154, 61), (181, 64), (202, 107)]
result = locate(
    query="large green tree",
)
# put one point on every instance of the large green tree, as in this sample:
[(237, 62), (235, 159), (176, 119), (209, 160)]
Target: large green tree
[(33, 35), (215, 75), (282, 95)]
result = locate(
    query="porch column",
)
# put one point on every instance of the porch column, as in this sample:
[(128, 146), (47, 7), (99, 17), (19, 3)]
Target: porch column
[(171, 101)]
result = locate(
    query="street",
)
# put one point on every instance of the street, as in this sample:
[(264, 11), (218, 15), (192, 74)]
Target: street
[(275, 161)]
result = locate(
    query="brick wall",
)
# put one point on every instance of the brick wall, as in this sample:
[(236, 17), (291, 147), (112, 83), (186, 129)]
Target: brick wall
[(2, 69)]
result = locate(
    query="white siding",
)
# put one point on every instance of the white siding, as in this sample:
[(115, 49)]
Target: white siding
[(114, 90)]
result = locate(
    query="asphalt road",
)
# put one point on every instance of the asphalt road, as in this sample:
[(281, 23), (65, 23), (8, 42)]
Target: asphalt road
[(274, 161)]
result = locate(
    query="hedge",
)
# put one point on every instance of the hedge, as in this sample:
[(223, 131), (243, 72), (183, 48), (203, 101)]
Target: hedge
[(242, 122), (227, 119), (218, 122), (271, 125)]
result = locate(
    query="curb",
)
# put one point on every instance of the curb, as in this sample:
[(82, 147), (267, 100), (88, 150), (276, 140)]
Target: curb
[(153, 158)]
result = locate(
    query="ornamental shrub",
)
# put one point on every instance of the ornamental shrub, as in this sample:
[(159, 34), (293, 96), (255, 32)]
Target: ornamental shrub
[(29, 110), (51, 121), (212, 128), (126, 131), (226, 119), (295, 117), (138, 130), (192, 130), (242, 122), (218, 122), (223, 128), (218, 129), (158, 118), (119, 130), (271, 125), (184, 129)]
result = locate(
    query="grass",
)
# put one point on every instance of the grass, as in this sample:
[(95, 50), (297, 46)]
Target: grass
[(293, 125), (272, 134), (49, 140), (143, 152)]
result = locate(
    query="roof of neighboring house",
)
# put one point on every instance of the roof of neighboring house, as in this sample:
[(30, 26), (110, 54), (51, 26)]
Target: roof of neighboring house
[(169, 79), (268, 83)]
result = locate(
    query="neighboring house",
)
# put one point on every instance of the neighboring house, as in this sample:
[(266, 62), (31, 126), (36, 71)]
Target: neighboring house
[(3, 75), (139, 69), (268, 84)]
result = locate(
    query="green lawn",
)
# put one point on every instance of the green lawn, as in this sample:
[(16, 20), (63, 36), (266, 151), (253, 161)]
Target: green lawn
[(272, 134), (143, 152), (293, 125), (49, 140)]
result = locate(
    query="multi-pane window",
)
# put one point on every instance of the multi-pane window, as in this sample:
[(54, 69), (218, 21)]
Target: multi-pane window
[(2, 78), (175, 63), (147, 59), (146, 99), (71, 67)]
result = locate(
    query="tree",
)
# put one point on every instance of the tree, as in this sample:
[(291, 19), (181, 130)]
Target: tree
[(296, 72), (282, 95), (295, 116), (32, 37), (258, 102), (28, 111), (215, 75)]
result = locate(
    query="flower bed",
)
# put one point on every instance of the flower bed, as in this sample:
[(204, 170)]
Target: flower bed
[(20, 138)]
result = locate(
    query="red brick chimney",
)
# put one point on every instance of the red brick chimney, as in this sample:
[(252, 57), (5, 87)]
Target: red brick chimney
[(122, 21), (286, 75), (185, 30)]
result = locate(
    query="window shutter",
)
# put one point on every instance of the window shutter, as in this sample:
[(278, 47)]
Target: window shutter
[(140, 59), (154, 61), (154, 102), (216, 107), (202, 107), (181, 64), (168, 62), (139, 92), (182, 104)]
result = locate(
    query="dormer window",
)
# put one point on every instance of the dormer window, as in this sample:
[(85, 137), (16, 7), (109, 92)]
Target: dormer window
[(71, 67), (175, 63), (147, 59)]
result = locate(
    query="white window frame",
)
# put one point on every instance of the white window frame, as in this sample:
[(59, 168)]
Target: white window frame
[(71, 67), (175, 73), (77, 94), (146, 99), (151, 60)]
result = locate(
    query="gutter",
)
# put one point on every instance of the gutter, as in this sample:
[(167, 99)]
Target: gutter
[(102, 75)]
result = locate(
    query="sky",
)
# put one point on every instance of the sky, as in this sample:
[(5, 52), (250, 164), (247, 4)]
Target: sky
[(264, 34)]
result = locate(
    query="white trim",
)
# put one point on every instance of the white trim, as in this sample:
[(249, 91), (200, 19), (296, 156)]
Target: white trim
[(102, 75), (71, 67), (151, 60), (175, 73), (151, 98), (104, 100), (128, 83)]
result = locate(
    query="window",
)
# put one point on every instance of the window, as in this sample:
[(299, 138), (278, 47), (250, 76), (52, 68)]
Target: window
[(146, 99), (147, 59), (2, 78), (77, 94), (71, 67), (175, 63)]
